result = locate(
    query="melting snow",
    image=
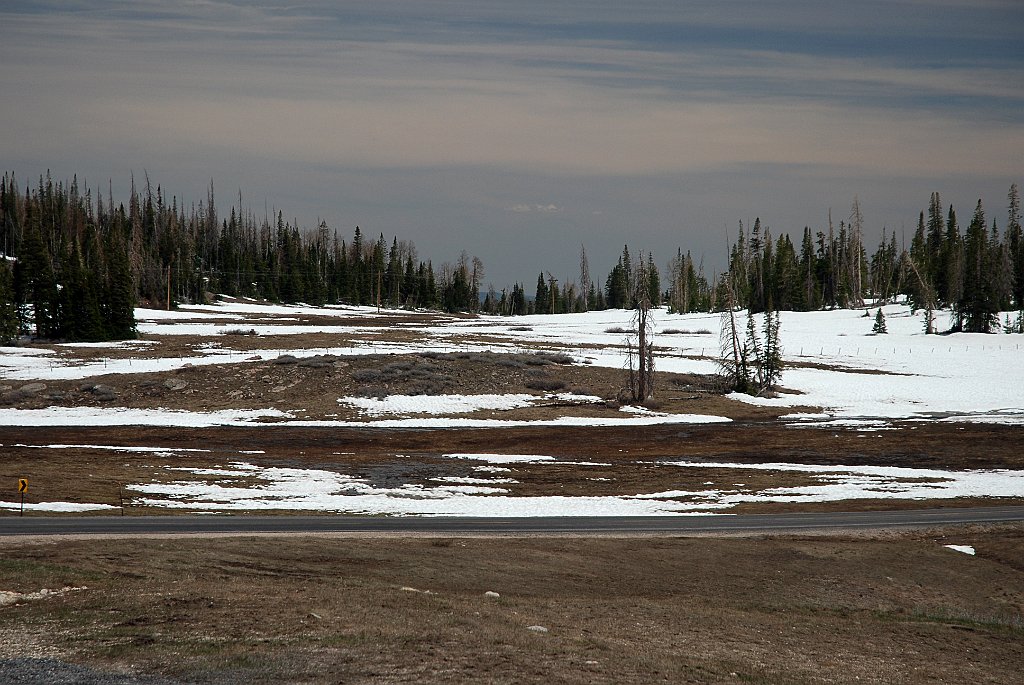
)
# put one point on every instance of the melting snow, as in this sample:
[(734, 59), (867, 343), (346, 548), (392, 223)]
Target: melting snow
[(320, 490), (966, 549), (436, 404), (852, 375)]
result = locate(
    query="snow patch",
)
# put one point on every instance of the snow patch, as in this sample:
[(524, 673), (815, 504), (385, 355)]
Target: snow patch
[(435, 404), (966, 549)]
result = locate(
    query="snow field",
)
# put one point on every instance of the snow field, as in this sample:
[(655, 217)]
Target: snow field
[(321, 490), (902, 375)]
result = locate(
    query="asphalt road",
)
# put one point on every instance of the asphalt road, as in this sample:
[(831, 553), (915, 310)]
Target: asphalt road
[(665, 525)]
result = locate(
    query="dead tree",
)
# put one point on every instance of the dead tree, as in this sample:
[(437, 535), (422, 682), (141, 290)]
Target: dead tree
[(640, 355)]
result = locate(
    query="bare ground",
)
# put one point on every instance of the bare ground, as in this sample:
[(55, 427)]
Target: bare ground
[(885, 609), (598, 461)]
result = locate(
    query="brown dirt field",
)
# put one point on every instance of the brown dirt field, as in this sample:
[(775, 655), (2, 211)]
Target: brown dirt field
[(894, 608), (631, 459), (312, 390)]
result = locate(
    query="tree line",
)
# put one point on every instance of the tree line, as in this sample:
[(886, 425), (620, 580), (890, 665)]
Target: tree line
[(974, 273), (75, 264)]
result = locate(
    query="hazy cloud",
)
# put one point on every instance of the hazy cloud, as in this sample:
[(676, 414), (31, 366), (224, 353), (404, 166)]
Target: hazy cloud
[(423, 116)]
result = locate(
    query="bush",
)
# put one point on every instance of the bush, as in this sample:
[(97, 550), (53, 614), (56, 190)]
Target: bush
[(683, 331), (546, 384), (401, 377), (556, 357)]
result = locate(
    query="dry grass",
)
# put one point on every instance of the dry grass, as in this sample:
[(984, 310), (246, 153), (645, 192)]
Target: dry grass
[(893, 609)]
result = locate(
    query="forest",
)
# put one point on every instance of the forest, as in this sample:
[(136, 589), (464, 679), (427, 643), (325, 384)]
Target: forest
[(75, 264)]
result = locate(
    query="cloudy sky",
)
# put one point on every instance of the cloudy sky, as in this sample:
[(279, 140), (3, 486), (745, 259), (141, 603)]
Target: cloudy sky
[(519, 130)]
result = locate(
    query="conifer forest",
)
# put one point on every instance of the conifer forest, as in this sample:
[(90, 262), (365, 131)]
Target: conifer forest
[(76, 263)]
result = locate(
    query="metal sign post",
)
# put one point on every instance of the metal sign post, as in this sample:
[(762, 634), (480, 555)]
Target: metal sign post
[(22, 488)]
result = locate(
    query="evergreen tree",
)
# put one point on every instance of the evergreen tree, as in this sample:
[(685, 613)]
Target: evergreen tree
[(754, 354), (41, 284), (772, 362), (542, 299), (879, 327), (119, 309), (949, 280), (931, 260), (653, 282), (1015, 240), (8, 308), (977, 309), (808, 299)]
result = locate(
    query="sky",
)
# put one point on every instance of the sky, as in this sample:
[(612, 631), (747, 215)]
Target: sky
[(519, 131)]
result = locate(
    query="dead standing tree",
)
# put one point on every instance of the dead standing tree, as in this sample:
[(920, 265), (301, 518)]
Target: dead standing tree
[(639, 347)]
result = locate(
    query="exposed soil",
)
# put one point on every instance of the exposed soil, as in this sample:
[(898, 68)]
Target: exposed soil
[(310, 387), (602, 461), (894, 608)]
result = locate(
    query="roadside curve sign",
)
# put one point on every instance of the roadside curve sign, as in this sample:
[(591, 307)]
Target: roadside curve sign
[(23, 485)]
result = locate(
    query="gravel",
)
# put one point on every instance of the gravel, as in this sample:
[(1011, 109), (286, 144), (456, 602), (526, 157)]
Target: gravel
[(25, 671)]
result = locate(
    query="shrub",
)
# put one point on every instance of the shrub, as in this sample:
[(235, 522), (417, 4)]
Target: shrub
[(684, 331), (546, 384)]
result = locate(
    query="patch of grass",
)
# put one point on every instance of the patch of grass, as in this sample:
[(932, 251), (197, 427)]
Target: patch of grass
[(545, 383), (405, 377), (684, 331), (239, 331), (41, 573), (1013, 623), (555, 357)]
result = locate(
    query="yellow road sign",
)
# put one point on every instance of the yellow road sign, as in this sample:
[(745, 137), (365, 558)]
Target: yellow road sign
[(23, 485)]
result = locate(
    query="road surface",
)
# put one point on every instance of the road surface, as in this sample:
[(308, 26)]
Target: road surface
[(595, 525)]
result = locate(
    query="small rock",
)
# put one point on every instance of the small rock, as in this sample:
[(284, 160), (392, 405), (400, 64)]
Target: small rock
[(537, 629), (286, 359), (489, 593), (104, 393), (14, 396), (32, 388), (175, 384)]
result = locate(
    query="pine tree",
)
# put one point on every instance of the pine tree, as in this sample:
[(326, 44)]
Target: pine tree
[(119, 310), (41, 290), (754, 355), (8, 308), (977, 308), (1015, 240), (879, 327), (773, 364), (653, 282), (542, 298)]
